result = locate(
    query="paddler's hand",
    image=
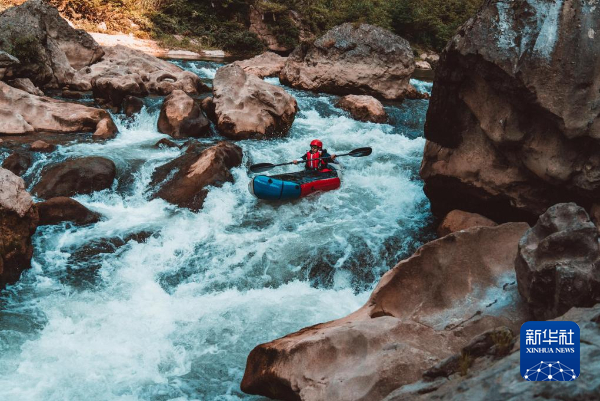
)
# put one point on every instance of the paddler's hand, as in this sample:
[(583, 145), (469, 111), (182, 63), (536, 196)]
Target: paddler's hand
[(295, 162), (333, 157)]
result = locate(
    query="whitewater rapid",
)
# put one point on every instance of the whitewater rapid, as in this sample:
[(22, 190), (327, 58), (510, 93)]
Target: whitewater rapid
[(158, 303)]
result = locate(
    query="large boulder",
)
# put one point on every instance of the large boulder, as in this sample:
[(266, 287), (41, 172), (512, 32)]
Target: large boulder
[(23, 113), (248, 107), (363, 108), (423, 310), (184, 181), (458, 220), (493, 379), (49, 49), (351, 59), (558, 264), (59, 209), (26, 85), (180, 116), (18, 222), (264, 65), (511, 125), (83, 175), (18, 162), (124, 71)]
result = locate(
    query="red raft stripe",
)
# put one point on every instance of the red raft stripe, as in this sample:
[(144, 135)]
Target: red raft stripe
[(321, 185)]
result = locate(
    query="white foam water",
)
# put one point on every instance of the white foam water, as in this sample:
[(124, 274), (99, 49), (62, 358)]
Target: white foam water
[(155, 302)]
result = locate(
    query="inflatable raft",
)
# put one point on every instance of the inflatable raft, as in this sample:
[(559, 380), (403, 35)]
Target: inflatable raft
[(294, 185)]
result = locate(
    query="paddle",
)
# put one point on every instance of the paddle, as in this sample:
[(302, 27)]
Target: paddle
[(260, 167)]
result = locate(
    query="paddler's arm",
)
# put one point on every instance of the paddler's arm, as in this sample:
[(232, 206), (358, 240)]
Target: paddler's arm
[(303, 158)]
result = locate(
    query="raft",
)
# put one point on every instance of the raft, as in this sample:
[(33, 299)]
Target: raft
[(294, 185)]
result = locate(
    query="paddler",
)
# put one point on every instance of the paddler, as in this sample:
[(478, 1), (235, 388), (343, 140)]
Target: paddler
[(317, 158)]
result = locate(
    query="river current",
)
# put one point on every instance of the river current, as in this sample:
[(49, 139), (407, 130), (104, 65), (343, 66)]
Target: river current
[(155, 302)]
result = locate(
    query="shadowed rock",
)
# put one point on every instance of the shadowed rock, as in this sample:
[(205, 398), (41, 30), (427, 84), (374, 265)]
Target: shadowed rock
[(351, 59), (26, 85), (59, 209), (41, 146), (76, 176), (458, 220), (18, 222), (510, 128), (424, 310), (180, 116), (558, 264), (18, 162)]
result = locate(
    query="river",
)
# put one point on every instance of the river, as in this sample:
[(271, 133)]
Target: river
[(155, 302)]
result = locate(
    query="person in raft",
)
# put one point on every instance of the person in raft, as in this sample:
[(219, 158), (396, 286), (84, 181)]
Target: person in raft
[(317, 158)]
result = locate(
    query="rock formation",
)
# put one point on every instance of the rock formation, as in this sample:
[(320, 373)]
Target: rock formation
[(50, 51), (264, 65), (511, 125), (59, 209), (7, 62), (18, 162), (558, 264), (458, 220), (180, 116), (363, 108), (351, 59), (18, 222), (83, 175), (42, 146), (22, 113), (248, 107), (423, 310), (264, 32), (494, 379), (26, 85), (183, 181)]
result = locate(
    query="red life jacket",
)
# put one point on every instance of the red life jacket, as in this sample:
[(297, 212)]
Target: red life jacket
[(313, 164)]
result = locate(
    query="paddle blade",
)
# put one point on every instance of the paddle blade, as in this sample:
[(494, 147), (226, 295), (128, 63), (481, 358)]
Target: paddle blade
[(260, 167), (360, 152)]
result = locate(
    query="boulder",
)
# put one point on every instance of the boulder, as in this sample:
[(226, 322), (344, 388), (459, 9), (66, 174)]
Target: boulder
[(180, 116), (510, 131), (352, 59), (59, 209), (50, 50), (458, 220), (22, 113), (424, 310), (26, 85), (558, 264), (208, 107), (41, 146), (264, 65), (132, 105), (6, 63), (423, 65), (106, 129), (432, 59), (166, 143), (18, 222), (128, 72), (248, 107), (363, 108), (18, 162), (83, 175), (493, 379), (183, 181)]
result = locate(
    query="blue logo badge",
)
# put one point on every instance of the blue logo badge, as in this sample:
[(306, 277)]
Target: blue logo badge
[(550, 351)]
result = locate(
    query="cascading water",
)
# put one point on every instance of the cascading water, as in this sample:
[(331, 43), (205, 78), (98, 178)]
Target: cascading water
[(158, 303)]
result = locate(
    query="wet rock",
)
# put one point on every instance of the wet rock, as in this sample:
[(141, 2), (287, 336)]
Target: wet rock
[(128, 72), (76, 176), (248, 107), (183, 181), (180, 116), (458, 220), (363, 108), (106, 129), (166, 143), (26, 85), (41, 146), (558, 264), (18, 222), (424, 310), (208, 106), (52, 50), (510, 130), (18, 162), (69, 94), (22, 113), (500, 379), (264, 65), (132, 105), (57, 210), (352, 59)]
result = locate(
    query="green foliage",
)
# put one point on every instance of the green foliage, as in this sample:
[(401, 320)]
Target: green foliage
[(430, 23), (25, 48), (464, 363)]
